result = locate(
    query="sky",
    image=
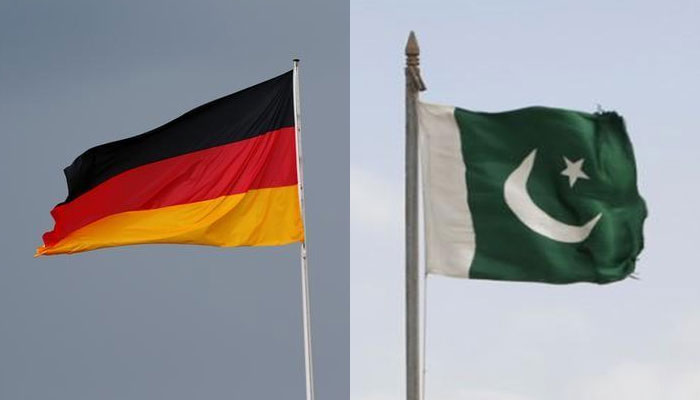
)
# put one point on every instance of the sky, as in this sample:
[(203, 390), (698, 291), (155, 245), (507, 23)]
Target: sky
[(637, 339), (166, 322), (182, 322)]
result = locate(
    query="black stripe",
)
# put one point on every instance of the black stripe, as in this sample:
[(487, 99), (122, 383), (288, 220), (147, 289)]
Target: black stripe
[(250, 112)]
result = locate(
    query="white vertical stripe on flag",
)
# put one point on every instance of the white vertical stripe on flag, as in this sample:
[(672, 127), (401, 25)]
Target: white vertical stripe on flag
[(449, 233)]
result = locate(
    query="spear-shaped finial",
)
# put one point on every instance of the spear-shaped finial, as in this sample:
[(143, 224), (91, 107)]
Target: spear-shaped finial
[(412, 50), (412, 62)]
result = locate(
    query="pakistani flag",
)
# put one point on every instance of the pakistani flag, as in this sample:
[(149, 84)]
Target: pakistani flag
[(537, 194)]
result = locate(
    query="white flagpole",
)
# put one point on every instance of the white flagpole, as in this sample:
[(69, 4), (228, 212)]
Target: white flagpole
[(306, 306), (414, 364)]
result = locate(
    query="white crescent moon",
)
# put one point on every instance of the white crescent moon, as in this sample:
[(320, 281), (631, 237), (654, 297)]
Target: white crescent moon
[(520, 202)]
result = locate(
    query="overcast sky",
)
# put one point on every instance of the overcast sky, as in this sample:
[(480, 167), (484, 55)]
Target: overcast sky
[(183, 322), (165, 322), (634, 340)]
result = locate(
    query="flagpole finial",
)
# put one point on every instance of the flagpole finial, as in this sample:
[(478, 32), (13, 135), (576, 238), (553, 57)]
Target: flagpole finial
[(412, 62), (412, 50)]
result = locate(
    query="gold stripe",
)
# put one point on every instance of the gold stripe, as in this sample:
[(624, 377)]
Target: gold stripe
[(261, 217)]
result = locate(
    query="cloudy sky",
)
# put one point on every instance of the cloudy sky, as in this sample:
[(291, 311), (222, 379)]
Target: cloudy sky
[(634, 340)]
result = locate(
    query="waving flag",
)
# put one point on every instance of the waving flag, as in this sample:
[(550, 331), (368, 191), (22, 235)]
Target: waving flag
[(223, 174), (537, 194)]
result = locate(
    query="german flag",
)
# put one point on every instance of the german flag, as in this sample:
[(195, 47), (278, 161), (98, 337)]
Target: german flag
[(223, 174)]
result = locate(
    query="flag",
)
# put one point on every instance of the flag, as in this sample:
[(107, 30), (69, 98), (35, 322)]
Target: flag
[(536, 194), (223, 174)]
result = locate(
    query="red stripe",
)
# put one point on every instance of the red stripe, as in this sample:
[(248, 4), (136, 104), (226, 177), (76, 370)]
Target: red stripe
[(263, 161)]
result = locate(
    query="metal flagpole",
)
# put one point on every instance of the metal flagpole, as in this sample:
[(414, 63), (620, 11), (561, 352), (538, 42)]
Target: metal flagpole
[(306, 307), (414, 84)]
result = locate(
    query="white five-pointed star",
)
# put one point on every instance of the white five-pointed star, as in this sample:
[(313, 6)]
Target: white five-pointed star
[(574, 170)]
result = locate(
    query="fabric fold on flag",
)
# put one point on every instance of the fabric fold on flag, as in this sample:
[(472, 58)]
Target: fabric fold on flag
[(223, 174), (536, 194)]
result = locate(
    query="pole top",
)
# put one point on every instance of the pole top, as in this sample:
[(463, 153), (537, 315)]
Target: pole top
[(296, 60), (412, 50), (412, 62)]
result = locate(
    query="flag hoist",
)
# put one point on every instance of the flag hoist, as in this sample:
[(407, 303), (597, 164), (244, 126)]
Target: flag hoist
[(537, 194), (227, 173)]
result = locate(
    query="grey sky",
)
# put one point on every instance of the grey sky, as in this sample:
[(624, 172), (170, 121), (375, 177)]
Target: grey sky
[(506, 341), (165, 322)]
